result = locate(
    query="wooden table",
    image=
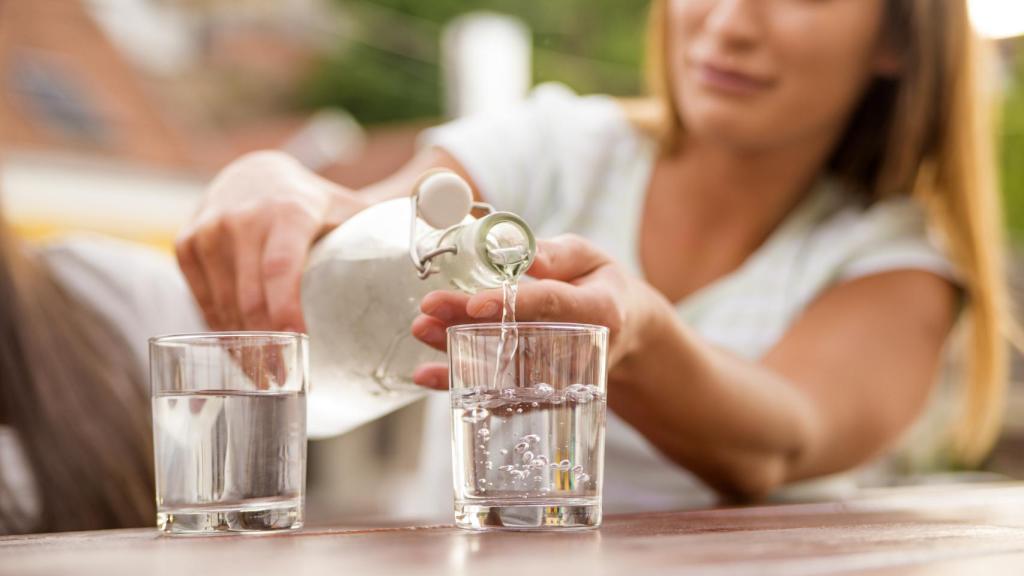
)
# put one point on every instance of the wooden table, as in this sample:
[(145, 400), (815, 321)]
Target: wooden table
[(933, 530)]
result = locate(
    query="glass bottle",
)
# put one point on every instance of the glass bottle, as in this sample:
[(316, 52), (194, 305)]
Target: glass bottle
[(363, 283)]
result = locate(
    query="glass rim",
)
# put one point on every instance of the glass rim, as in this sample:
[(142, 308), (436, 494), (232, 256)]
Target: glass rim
[(552, 327), (185, 338)]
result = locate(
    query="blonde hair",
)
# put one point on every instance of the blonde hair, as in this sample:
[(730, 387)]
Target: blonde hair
[(927, 133)]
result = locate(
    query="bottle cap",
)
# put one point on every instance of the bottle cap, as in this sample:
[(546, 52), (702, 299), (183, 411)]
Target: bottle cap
[(443, 198)]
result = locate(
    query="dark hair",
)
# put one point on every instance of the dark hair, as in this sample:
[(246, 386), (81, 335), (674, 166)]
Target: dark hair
[(74, 394)]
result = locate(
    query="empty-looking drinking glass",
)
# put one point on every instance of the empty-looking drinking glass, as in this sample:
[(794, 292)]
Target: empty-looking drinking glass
[(528, 420), (229, 431)]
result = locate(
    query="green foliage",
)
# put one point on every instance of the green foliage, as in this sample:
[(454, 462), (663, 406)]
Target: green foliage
[(1011, 157), (385, 67)]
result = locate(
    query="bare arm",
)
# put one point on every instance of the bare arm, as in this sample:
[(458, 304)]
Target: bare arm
[(841, 385)]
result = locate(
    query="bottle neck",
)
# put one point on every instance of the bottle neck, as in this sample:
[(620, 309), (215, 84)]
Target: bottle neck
[(490, 251)]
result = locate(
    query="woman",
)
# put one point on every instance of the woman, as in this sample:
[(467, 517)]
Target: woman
[(75, 436), (780, 238)]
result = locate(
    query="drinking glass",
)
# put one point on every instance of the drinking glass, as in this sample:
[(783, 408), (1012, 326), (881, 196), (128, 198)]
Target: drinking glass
[(229, 431), (528, 421)]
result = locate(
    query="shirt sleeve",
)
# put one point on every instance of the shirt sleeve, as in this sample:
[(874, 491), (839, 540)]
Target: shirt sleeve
[(529, 158), (895, 235)]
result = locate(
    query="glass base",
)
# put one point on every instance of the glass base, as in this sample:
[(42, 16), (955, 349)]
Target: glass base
[(250, 517), (551, 516)]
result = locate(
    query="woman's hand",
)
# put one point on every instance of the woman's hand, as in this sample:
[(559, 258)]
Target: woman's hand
[(576, 282), (244, 252)]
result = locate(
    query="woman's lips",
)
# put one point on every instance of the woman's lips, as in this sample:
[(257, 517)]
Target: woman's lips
[(731, 82)]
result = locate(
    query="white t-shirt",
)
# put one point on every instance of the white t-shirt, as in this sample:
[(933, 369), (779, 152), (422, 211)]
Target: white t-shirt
[(576, 164)]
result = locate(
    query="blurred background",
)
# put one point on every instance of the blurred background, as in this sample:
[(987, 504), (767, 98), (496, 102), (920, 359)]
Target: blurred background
[(114, 113)]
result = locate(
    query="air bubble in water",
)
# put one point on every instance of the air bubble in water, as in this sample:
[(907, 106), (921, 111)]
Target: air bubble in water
[(579, 393), (521, 447), (530, 438), (544, 389), (564, 465), (484, 433), (539, 462), (476, 415), (519, 410), (489, 465), (504, 451), (577, 469), (583, 478), (508, 393), (507, 468), (527, 457)]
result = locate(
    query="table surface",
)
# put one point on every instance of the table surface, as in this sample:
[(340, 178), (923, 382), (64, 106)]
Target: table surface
[(972, 529)]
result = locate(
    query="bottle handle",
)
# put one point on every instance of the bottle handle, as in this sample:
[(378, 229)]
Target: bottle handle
[(442, 199)]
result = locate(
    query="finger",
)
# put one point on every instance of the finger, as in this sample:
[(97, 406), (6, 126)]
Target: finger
[(249, 237), (447, 306), (431, 331), (215, 251), (188, 261), (432, 375), (566, 257), (542, 301), (284, 256)]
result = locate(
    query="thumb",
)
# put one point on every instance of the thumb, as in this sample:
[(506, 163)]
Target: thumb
[(566, 258)]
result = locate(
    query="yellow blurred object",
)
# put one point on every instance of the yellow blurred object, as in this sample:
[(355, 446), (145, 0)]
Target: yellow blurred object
[(40, 231)]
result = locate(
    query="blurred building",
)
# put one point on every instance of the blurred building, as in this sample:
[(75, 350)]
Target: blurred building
[(113, 113), (84, 144), (66, 88)]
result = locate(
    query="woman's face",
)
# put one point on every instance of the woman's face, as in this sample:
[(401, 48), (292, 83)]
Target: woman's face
[(757, 74)]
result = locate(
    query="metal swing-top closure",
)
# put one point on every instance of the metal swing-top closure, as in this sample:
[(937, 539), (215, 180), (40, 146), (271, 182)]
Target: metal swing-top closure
[(443, 200)]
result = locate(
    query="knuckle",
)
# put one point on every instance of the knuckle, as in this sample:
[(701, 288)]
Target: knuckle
[(239, 221), (289, 209), (571, 239), (616, 317), (612, 307), (573, 243), (208, 235), (251, 175), (550, 304), (277, 263)]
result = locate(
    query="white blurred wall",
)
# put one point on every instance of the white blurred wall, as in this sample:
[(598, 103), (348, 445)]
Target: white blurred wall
[(47, 194)]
